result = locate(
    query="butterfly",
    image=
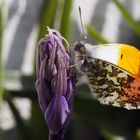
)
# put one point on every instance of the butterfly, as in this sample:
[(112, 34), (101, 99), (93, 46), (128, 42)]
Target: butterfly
[(113, 72)]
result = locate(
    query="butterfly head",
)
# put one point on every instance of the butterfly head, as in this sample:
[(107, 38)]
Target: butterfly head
[(80, 57)]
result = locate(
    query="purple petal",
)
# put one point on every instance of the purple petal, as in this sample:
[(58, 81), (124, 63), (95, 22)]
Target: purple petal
[(43, 94), (56, 116), (55, 82)]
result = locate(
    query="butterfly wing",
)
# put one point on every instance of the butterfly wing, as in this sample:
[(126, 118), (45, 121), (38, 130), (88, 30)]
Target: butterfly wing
[(113, 85), (113, 71), (122, 55)]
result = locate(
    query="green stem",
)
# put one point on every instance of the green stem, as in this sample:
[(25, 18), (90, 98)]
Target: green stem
[(20, 123), (55, 137), (66, 18), (47, 17), (1, 65), (96, 35)]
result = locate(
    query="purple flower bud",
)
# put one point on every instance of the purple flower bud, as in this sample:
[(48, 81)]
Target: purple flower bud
[(55, 83)]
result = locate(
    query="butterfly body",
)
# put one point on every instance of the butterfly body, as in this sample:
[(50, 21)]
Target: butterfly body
[(113, 73)]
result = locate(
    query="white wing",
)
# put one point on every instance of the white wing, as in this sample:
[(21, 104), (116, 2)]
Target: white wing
[(107, 52)]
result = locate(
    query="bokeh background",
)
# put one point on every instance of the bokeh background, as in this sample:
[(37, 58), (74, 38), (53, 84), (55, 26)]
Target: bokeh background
[(22, 24)]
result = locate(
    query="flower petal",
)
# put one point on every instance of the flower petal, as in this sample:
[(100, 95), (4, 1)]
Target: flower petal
[(56, 116)]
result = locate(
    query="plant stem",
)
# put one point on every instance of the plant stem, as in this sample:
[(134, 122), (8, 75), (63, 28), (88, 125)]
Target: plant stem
[(1, 35), (96, 35), (55, 137)]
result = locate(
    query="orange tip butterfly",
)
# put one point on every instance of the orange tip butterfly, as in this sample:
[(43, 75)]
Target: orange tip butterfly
[(113, 72)]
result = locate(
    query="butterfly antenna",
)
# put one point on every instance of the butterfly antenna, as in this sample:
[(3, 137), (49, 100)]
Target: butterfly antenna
[(81, 21)]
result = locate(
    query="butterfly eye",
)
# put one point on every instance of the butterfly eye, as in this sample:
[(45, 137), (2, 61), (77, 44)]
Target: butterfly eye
[(80, 47)]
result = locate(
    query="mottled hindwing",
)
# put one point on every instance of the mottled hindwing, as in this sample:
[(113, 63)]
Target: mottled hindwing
[(112, 85)]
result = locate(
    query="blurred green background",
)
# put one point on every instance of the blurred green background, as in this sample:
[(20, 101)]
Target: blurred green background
[(22, 24)]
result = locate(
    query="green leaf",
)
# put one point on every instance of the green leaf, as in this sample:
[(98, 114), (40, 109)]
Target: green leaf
[(66, 18), (100, 116), (38, 125), (128, 17), (47, 16), (0, 53), (2, 6), (1, 134), (109, 136), (23, 129), (96, 35)]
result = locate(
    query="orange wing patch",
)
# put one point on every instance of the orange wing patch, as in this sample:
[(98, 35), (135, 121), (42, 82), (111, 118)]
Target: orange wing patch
[(131, 92)]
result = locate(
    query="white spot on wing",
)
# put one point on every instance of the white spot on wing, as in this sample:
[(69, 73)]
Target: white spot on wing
[(107, 52)]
